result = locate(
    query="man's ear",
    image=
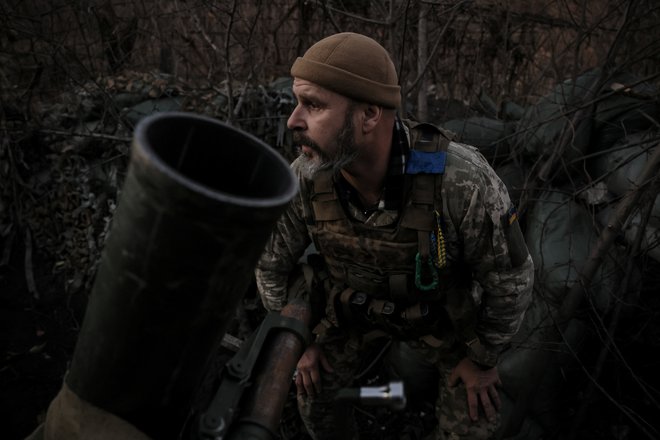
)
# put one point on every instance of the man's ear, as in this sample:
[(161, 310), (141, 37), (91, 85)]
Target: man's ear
[(372, 115)]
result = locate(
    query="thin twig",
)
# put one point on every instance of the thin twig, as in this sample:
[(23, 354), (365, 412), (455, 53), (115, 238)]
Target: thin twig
[(536, 367), (609, 342), (228, 70), (90, 135), (29, 269), (649, 180)]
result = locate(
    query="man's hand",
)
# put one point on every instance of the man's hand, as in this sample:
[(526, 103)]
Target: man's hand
[(480, 385), (308, 378)]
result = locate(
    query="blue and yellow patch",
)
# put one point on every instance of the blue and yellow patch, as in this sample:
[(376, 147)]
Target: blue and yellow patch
[(512, 215)]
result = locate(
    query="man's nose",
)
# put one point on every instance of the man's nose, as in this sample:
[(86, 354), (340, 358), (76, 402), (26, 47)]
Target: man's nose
[(295, 121)]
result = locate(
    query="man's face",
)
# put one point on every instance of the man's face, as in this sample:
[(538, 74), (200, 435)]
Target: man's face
[(323, 127)]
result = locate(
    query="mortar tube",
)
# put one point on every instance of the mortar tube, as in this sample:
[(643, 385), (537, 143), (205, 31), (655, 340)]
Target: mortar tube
[(263, 404), (198, 204)]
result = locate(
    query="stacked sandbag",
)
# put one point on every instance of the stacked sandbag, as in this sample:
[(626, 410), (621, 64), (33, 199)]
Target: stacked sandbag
[(70, 417), (620, 169), (560, 234), (626, 106), (542, 125), (487, 134), (590, 113)]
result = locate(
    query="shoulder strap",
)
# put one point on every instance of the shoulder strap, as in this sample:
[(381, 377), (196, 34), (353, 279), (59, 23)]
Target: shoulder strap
[(428, 151), (325, 203), (426, 165)]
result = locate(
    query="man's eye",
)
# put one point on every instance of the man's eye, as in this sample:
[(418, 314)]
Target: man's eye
[(312, 105)]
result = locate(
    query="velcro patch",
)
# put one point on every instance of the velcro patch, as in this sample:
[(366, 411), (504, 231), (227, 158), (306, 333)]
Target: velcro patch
[(512, 214), (423, 162), (515, 239)]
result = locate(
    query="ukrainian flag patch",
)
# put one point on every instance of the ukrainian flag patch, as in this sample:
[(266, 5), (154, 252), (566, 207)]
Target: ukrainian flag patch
[(512, 215)]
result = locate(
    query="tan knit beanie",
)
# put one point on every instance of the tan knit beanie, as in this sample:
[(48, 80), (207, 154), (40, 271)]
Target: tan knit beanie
[(352, 65)]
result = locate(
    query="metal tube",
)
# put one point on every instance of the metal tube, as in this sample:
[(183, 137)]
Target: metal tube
[(264, 403), (198, 204)]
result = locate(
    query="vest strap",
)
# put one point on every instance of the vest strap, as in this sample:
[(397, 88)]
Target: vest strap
[(327, 210), (381, 307), (418, 218), (398, 286), (325, 202), (345, 301)]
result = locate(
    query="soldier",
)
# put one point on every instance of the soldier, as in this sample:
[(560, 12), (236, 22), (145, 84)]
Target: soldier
[(418, 235)]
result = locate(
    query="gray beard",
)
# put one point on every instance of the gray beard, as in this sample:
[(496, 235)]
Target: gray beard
[(346, 154), (310, 166)]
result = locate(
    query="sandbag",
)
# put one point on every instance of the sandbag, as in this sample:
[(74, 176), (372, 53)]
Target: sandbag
[(71, 418), (487, 134), (559, 236), (542, 125), (513, 176), (614, 110), (622, 167), (545, 408), (650, 244), (624, 111)]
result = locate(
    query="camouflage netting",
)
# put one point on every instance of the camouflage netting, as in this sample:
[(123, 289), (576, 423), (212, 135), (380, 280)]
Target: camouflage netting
[(64, 175)]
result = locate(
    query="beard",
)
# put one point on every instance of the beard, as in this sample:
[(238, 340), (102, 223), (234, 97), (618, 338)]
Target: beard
[(345, 151)]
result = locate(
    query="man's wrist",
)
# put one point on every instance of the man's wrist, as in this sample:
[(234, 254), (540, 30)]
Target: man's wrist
[(482, 367), (482, 356)]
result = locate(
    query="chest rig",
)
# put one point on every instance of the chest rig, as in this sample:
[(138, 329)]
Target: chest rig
[(395, 275)]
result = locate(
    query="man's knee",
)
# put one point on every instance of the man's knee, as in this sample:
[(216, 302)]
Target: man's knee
[(323, 419)]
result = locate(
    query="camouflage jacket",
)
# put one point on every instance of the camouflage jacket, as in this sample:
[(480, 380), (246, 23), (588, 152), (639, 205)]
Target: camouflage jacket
[(481, 234)]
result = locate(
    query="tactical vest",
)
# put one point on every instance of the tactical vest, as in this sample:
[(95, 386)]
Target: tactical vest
[(397, 276)]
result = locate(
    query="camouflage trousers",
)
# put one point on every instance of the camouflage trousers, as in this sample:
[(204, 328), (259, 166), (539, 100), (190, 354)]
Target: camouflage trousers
[(318, 413)]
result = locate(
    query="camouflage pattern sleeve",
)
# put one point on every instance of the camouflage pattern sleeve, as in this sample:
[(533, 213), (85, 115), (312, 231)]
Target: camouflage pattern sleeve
[(284, 248), (494, 249)]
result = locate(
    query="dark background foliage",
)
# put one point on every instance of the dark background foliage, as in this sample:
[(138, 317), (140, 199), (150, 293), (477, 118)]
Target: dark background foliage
[(75, 77)]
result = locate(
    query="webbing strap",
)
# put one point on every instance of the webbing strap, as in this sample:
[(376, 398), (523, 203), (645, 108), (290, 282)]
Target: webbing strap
[(414, 314), (423, 244), (381, 307), (417, 218), (398, 286), (427, 169), (325, 203), (427, 162), (345, 300)]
